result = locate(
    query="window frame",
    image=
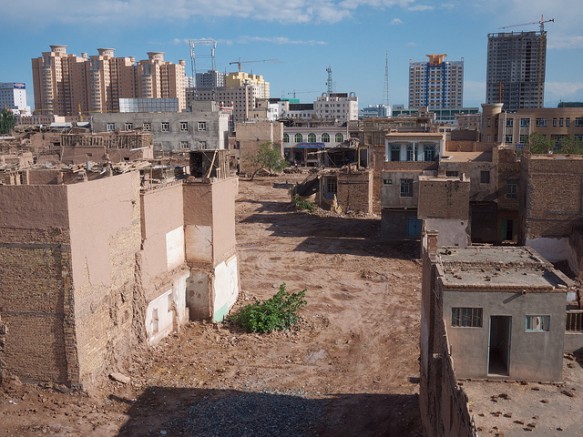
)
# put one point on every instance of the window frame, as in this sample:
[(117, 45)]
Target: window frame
[(164, 126), (467, 317), (406, 187), (544, 323), (202, 126), (184, 126), (512, 193), (484, 176)]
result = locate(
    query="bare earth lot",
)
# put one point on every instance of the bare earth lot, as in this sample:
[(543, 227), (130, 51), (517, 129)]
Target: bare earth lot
[(349, 370)]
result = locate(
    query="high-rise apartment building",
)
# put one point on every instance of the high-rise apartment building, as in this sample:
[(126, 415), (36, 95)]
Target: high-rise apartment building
[(13, 97), (240, 89), (516, 69), (436, 84), (65, 84)]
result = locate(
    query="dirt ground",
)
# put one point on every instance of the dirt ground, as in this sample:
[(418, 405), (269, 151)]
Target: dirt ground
[(350, 369)]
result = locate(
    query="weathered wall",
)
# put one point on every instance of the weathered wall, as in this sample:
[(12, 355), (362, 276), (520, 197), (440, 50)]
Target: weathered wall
[(451, 232), (250, 135), (445, 198), (395, 223), (209, 219), (164, 271), (355, 191), (105, 237), (533, 355), (39, 341), (554, 195)]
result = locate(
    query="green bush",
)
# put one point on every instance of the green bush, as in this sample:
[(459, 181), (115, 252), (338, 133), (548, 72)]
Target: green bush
[(278, 313), (303, 204)]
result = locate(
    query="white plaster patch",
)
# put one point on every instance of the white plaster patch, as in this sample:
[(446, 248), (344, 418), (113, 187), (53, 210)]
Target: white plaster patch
[(226, 286), (199, 246), (175, 248), (159, 318)]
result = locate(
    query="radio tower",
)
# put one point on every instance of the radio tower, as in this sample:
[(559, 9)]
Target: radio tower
[(386, 90), (330, 82)]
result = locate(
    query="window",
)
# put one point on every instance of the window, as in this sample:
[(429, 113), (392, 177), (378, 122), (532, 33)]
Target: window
[(568, 121), (579, 121), (537, 323), (485, 177), (395, 152), (183, 126), (406, 187), (202, 125), (129, 126), (331, 185), (325, 137), (286, 138), (429, 152), (452, 173), (508, 139), (184, 145), (203, 145), (512, 189), (311, 138), (541, 122), (387, 181), (110, 127), (339, 137), (165, 126), (466, 317), (561, 122), (299, 138), (509, 122), (411, 155), (554, 122), (147, 126)]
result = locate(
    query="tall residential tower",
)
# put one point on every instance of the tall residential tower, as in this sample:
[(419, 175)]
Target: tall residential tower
[(436, 84), (516, 69)]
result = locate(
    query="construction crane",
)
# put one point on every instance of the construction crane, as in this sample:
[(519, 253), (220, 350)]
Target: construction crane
[(540, 22), (239, 62), (300, 92)]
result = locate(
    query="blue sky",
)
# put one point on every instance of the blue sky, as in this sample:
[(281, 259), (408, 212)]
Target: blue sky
[(352, 36)]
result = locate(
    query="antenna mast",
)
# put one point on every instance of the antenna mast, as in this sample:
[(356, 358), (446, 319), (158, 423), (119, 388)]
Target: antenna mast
[(330, 82), (386, 90)]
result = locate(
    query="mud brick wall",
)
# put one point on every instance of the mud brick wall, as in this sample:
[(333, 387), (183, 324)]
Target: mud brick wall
[(554, 190), (35, 287), (444, 199), (355, 191), (105, 238)]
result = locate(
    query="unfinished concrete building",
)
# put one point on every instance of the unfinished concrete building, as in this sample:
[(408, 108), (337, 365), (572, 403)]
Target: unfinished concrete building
[(93, 266)]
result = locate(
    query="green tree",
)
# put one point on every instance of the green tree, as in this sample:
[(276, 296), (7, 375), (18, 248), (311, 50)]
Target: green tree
[(267, 158), (7, 121), (539, 144)]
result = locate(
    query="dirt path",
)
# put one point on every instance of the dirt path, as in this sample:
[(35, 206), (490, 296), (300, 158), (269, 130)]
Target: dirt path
[(351, 369)]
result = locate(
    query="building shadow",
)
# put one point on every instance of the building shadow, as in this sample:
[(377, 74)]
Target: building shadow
[(231, 413)]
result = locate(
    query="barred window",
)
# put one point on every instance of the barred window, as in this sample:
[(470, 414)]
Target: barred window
[(466, 317), (538, 323)]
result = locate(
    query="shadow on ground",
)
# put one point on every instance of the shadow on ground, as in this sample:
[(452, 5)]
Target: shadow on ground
[(230, 413), (333, 235)]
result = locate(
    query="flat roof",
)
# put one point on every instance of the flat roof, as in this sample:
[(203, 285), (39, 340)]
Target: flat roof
[(485, 156), (510, 408), (496, 268)]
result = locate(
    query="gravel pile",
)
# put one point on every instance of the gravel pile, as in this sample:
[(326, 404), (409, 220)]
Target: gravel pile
[(243, 414)]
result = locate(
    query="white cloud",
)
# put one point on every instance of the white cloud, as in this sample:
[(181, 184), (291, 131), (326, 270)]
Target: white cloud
[(411, 44), (563, 91), (47, 12), (280, 40), (421, 8), (565, 42), (396, 21)]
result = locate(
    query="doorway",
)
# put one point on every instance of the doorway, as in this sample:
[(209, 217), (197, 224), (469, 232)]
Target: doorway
[(499, 345)]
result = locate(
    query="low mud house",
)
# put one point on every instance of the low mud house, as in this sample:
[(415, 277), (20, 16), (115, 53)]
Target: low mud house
[(486, 313), (94, 265)]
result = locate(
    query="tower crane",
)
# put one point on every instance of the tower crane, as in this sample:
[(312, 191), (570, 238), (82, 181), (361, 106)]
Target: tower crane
[(300, 92), (540, 22), (239, 62)]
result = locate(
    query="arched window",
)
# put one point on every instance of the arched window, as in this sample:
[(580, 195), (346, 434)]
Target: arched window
[(325, 137), (286, 138), (311, 138), (299, 138), (339, 137)]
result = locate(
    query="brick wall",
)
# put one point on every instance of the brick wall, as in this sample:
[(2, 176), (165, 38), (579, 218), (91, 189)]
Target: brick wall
[(444, 198), (355, 191), (554, 190)]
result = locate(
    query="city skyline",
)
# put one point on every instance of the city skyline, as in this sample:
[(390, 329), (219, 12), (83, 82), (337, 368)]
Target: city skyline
[(305, 38)]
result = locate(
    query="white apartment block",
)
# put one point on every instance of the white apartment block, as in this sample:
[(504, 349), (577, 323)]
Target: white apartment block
[(13, 97), (336, 106)]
